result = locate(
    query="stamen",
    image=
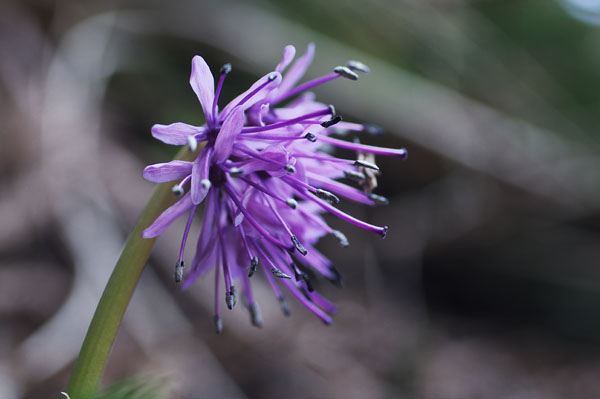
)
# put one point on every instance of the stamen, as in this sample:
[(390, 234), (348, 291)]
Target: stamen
[(179, 265), (290, 168), (355, 176), (231, 298), (400, 152), (217, 319), (271, 194), (253, 266), (298, 246), (310, 137), (255, 316), (284, 306), (378, 199), (332, 110), (179, 271), (218, 324), (331, 122), (279, 274), (326, 195), (341, 238), (177, 190), (358, 66), (224, 71), (272, 76), (337, 276), (323, 194), (344, 216), (277, 125), (192, 143), (365, 164), (345, 72)]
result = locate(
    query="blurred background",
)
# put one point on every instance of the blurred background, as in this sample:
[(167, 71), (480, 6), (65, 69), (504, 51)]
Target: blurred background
[(488, 283)]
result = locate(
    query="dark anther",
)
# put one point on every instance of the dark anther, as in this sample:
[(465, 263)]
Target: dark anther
[(378, 199), (327, 196), (231, 298), (332, 109), (310, 137), (355, 176), (179, 271), (279, 274), (345, 72), (332, 121), (292, 203), (218, 324), (384, 232), (225, 69), (358, 66), (272, 76), (177, 190), (309, 284), (298, 246), (255, 316), (205, 183), (341, 238), (284, 306), (235, 172), (366, 164), (253, 266), (290, 168), (297, 271), (373, 129), (336, 277)]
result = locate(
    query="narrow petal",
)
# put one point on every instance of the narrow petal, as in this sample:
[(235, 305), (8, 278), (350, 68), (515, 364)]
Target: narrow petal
[(298, 69), (176, 133), (168, 216), (288, 55), (203, 84), (268, 82), (163, 172), (226, 137), (200, 185)]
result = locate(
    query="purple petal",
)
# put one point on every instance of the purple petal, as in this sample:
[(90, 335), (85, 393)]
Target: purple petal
[(200, 176), (298, 69), (269, 85), (176, 133), (168, 217), (203, 84), (163, 172), (226, 137), (288, 55)]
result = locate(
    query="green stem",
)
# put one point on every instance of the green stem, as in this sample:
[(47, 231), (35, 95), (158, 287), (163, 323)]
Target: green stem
[(103, 328)]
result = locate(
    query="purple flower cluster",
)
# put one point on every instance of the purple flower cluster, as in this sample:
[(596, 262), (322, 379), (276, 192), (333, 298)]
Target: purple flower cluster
[(264, 182)]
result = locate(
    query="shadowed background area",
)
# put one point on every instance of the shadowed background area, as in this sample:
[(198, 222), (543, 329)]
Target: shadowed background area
[(488, 283)]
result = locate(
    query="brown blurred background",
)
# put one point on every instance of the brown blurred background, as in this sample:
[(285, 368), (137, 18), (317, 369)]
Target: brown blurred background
[(488, 284)]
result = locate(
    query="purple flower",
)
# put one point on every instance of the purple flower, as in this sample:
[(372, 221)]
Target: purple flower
[(265, 182)]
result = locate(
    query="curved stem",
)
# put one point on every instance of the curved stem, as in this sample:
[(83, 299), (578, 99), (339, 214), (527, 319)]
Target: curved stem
[(103, 328)]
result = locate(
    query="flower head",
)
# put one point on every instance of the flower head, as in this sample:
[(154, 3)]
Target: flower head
[(264, 182)]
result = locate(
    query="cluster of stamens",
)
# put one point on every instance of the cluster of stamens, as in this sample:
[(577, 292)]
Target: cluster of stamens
[(264, 183)]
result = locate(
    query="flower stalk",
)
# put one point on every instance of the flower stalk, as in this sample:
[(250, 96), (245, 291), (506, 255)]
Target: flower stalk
[(105, 323)]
